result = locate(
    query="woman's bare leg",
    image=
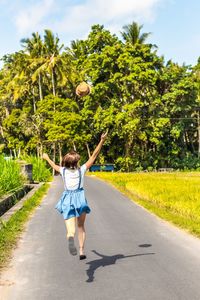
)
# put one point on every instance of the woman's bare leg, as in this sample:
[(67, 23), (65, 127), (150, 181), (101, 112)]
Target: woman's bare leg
[(71, 227), (71, 230), (81, 232)]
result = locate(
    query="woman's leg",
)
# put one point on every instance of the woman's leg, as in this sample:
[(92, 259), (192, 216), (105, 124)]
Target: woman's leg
[(81, 232), (71, 229)]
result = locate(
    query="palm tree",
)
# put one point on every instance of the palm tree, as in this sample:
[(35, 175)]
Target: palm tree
[(132, 34), (54, 66), (78, 49), (14, 81), (45, 60), (34, 48), (53, 58), (77, 53)]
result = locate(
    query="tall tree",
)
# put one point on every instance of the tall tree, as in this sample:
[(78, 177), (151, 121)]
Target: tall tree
[(53, 58), (132, 33), (34, 47)]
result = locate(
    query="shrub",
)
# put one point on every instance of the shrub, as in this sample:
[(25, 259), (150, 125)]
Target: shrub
[(40, 171), (10, 176)]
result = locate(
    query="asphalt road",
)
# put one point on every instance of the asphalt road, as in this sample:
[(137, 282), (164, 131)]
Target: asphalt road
[(131, 254)]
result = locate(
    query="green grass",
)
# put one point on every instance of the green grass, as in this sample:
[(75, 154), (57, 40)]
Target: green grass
[(40, 171), (11, 230), (10, 177), (174, 197)]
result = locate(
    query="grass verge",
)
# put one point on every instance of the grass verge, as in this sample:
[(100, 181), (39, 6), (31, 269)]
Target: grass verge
[(11, 230), (174, 197)]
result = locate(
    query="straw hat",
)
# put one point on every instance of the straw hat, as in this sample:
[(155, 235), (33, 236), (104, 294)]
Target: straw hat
[(83, 89)]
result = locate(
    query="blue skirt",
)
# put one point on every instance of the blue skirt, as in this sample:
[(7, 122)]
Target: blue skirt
[(72, 203)]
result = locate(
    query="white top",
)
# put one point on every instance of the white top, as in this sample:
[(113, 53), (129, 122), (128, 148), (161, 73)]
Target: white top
[(72, 177)]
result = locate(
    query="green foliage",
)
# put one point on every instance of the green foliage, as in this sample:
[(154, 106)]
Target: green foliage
[(40, 171), (189, 162), (10, 177), (131, 34), (150, 107)]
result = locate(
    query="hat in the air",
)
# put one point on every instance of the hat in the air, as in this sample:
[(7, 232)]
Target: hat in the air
[(83, 89)]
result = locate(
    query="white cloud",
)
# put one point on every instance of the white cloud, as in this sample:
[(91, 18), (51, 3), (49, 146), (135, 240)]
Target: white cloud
[(111, 13), (32, 17), (75, 20)]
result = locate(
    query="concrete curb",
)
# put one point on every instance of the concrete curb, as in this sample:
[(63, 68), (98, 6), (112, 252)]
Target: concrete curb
[(5, 217), (10, 200)]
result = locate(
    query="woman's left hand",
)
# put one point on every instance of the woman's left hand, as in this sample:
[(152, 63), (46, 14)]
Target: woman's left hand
[(104, 135)]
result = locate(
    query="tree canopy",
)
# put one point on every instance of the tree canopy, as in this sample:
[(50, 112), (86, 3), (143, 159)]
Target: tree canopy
[(151, 107)]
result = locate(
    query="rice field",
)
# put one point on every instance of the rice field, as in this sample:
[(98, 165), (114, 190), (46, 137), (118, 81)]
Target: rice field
[(173, 196)]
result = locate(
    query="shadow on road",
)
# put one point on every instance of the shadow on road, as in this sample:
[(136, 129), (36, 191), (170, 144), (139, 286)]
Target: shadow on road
[(104, 261), (144, 245)]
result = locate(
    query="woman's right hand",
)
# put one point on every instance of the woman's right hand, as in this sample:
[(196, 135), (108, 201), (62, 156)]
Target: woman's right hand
[(45, 156)]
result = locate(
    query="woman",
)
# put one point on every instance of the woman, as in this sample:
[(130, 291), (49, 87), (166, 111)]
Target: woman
[(73, 204)]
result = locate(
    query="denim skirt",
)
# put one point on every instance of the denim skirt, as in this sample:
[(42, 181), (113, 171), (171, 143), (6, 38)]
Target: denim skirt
[(72, 203)]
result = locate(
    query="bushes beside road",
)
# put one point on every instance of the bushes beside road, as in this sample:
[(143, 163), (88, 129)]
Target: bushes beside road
[(10, 176), (40, 171), (11, 179)]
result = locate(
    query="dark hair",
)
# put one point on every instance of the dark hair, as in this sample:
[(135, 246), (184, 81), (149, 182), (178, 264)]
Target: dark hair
[(70, 160)]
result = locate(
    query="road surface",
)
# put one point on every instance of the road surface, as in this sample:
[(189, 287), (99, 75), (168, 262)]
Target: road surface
[(131, 254)]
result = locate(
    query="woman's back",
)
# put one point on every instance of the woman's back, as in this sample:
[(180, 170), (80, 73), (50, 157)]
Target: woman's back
[(71, 177)]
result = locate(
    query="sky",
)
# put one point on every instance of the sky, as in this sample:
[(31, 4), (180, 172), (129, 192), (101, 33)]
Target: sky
[(174, 24)]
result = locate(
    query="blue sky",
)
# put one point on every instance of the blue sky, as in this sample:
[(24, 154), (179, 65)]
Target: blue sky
[(175, 24)]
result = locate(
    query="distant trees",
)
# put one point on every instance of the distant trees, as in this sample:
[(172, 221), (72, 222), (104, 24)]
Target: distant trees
[(150, 107)]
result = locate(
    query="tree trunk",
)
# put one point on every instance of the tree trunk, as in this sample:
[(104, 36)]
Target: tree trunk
[(40, 87), (127, 152), (7, 112), (19, 152), (60, 152), (54, 156), (88, 150), (53, 83), (74, 146), (127, 147), (34, 102), (41, 150), (2, 133), (198, 128), (190, 141)]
